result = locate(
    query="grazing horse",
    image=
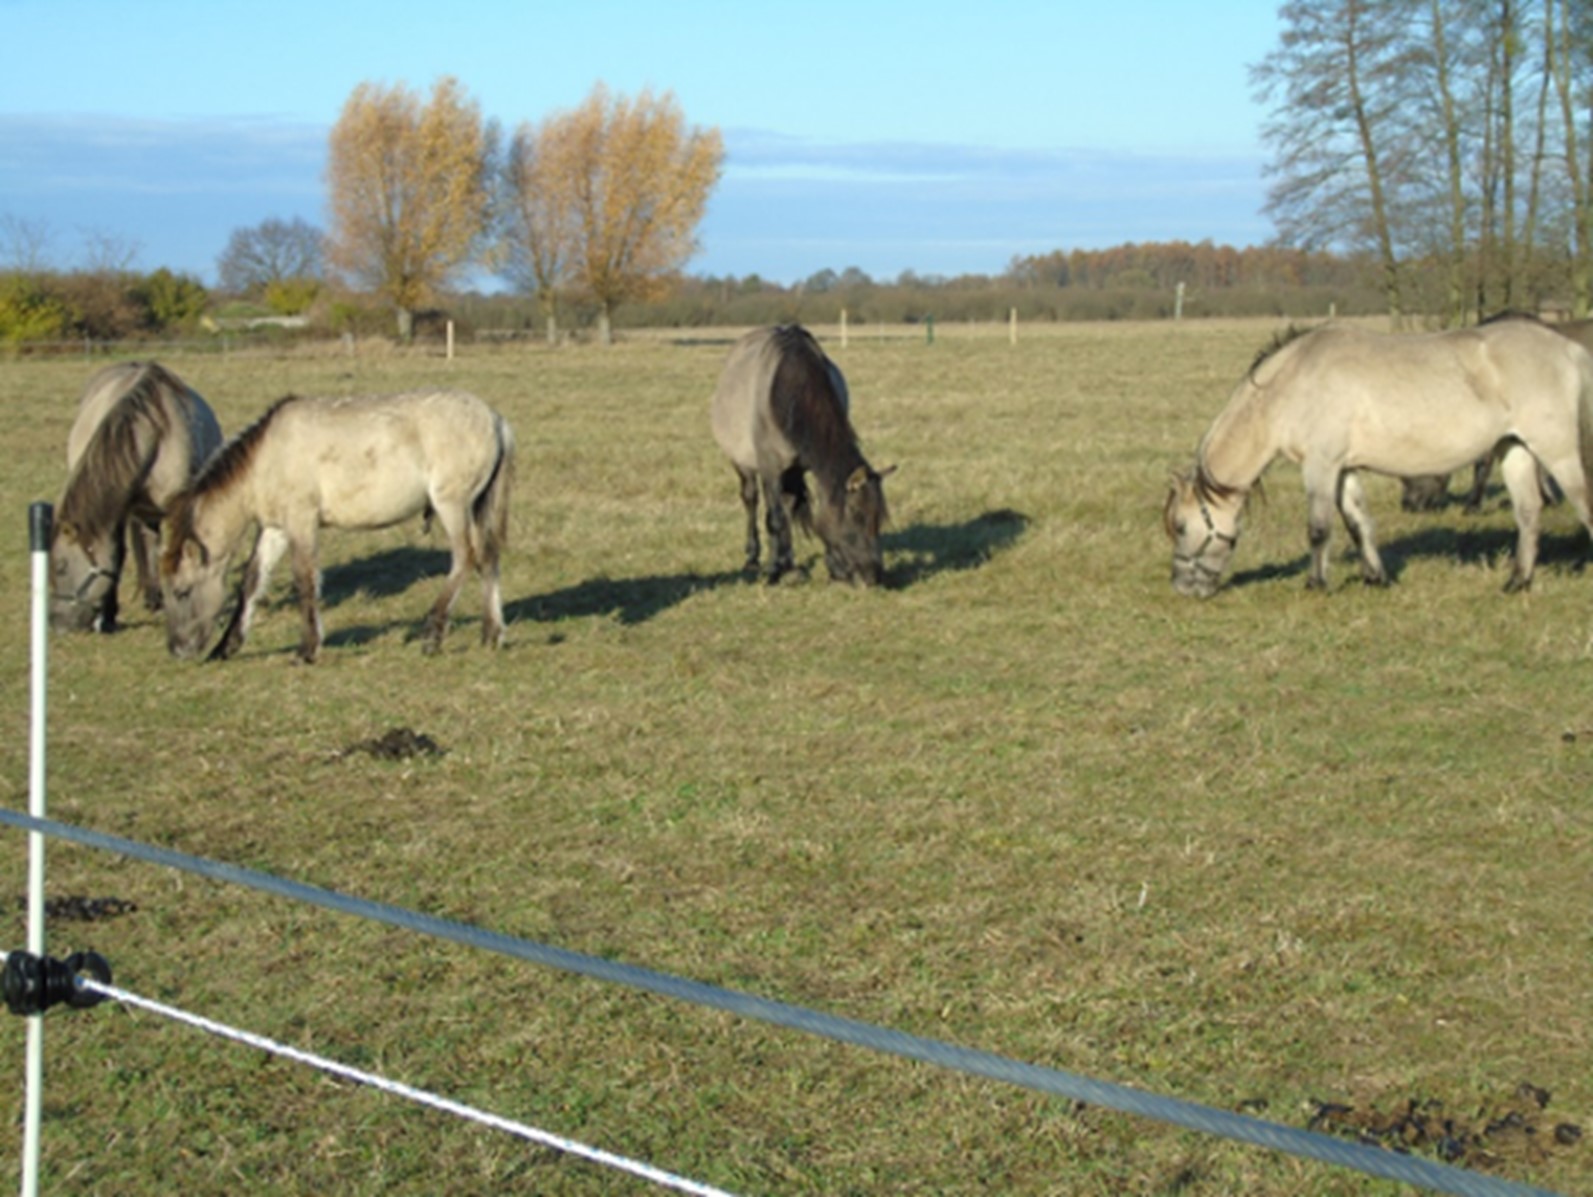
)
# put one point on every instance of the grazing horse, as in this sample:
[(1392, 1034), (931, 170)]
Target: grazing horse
[(140, 436), (343, 463), (1337, 400), (780, 411), (1428, 492)]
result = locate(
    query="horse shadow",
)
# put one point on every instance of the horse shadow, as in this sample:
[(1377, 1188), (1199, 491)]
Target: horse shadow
[(1482, 546), (924, 550), (629, 600), (1467, 546), (383, 575)]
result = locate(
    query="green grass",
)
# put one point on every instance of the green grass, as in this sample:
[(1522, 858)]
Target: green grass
[(1276, 847)]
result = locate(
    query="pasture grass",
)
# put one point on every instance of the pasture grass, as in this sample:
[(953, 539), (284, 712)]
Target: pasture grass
[(1266, 851)]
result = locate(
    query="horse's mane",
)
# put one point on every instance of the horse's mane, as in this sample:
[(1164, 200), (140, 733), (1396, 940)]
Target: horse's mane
[(225, 467), (116, 459), (808, 411), (1501, 316), (1293, 333)]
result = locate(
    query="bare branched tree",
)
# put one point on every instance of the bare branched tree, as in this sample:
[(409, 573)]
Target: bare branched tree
[(273, 251)]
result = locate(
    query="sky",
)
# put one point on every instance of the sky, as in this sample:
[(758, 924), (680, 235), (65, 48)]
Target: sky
[(942, 137)]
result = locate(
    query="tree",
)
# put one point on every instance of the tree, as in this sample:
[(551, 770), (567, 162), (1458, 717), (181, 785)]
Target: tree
[(409, 191), (170, 300), (24, 244), (539, 232), (271, 253), (639, 184), (1333, 86), (1571, 40)]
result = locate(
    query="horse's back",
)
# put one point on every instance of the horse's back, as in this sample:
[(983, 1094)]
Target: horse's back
[(1418, 403), (378, 459), (746, 422)]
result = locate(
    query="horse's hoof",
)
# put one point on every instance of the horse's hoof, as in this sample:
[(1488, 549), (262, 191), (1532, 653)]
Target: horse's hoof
[(1318, 584), (1517, 585)]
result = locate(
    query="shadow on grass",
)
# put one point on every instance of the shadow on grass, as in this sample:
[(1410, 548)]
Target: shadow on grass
[(931, 549), (385, 574), (630, 600), (1468, 546)]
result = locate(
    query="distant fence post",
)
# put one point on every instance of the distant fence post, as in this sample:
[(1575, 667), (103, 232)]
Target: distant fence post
[(929, 329), (843, 328), (1178, 303), (450, 340), (1012, 326)]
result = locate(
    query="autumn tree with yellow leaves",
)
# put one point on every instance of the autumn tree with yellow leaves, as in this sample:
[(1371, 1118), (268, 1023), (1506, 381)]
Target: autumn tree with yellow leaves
[(609, 195), (410, 192)]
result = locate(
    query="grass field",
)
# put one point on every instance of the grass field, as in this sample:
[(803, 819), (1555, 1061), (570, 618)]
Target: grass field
[(1268, 851)]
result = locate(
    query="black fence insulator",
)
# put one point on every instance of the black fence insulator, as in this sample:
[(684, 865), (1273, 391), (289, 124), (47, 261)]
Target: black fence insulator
[(35, 983)]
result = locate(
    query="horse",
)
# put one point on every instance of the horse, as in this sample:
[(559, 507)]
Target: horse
[(1336, 401), (779, 412), (1429, 492), (140, 436), (309, 463)]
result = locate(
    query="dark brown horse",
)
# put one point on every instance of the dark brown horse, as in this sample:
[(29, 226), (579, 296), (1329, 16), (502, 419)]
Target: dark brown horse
[(780, 412)]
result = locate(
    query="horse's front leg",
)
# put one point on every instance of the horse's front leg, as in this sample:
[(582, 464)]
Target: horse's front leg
[(748, 481), (1319, 501), (268, 550), (145, 539), (1358, 520), (1520, 472), (778, 519)]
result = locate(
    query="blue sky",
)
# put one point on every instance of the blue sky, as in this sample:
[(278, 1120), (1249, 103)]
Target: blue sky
[(938, 137)]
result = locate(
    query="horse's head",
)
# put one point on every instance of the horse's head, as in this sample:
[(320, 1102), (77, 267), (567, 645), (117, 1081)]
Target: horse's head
[(83, 576), (850, 529), (192, 584), (1202, 520)]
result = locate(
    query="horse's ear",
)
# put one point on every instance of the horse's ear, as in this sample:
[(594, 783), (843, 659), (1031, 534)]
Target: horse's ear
[(886, 472), (857, 481)]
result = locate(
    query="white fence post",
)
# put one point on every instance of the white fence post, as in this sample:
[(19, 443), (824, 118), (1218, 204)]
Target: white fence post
[(39, 516), (843, 328)]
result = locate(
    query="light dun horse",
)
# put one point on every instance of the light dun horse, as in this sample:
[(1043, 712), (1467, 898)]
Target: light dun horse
[(1429, 492), (1336, 401), (140, 436), (781, 411), (343, 463)]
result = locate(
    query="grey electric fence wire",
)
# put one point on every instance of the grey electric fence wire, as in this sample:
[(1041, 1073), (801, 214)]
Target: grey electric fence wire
[(1373, 1161), (596, 1155)]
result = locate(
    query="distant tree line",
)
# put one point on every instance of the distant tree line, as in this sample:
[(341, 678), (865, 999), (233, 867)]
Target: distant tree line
[(1124, 282)]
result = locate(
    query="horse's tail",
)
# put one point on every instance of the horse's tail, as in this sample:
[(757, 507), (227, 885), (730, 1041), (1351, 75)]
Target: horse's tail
[(489, 515)]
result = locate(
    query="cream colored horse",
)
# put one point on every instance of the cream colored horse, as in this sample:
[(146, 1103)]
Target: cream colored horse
[(343, 463), (1336, 401)]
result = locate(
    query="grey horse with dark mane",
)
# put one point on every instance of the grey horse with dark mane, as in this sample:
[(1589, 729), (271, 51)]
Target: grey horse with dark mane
[(780, 412), (140, 436)]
